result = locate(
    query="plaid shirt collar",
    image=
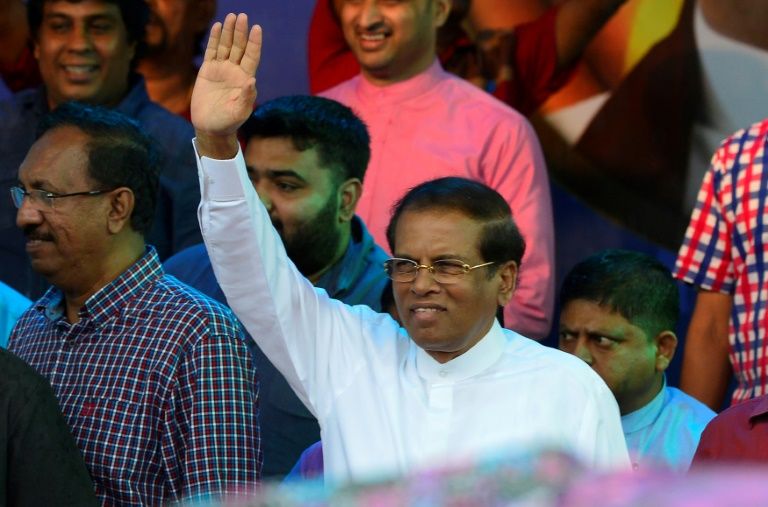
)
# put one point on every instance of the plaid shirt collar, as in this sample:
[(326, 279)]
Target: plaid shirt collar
[(110, 298)]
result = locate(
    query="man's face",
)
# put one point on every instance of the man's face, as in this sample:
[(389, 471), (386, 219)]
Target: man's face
[(65, 241), (83, 52), (620, 352), (392, 40), (302, 199), (174, 25), (446, 320)]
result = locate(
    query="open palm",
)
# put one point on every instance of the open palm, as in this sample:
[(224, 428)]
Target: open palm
[(225, 89)]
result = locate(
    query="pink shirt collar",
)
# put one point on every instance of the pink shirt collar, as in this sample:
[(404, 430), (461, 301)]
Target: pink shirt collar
[(403, 90)]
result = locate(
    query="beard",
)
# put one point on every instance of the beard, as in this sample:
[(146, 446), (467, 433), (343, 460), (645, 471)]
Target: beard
[(314, 243), (156, 40)]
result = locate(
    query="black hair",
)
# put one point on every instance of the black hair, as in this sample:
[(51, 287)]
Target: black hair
[(120, 154), (501, 240), (340, 137), (634, 284)]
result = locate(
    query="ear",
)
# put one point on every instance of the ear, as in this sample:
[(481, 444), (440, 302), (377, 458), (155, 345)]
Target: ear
[(349, 194), (666, 343), (121, 205), (442, 10), (508, 275)]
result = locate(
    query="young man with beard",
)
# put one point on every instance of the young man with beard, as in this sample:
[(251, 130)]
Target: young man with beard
[(306, 157)]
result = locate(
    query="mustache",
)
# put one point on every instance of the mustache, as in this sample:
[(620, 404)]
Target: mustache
[(32, 233)]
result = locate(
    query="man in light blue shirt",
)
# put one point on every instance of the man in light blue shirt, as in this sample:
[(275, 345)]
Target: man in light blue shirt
[(12, 305), (618, 312)]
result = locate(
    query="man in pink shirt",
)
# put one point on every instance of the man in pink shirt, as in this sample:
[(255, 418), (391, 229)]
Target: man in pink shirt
[(426, 123)]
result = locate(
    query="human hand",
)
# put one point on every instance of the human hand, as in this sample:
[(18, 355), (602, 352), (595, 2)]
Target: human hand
[(225, 89)]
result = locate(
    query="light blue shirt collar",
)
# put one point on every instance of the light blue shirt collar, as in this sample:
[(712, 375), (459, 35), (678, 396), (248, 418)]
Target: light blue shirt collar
[(647, 415)]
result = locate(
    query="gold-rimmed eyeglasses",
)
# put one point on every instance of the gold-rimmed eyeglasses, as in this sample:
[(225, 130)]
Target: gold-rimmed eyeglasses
[(42, 199), (443, 271)]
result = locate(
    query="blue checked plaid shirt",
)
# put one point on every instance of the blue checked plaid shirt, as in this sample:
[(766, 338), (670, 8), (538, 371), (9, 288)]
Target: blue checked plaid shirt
[(156, 384)]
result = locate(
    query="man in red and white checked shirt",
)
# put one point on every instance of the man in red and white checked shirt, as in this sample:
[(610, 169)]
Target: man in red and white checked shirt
[(153, 378), (725, 254)]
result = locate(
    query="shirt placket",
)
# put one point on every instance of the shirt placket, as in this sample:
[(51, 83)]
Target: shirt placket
[(66, 336), (439, 416), (383, 122)]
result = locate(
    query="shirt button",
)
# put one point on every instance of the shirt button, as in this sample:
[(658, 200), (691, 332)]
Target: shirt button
[(443, 373), (635, 466)]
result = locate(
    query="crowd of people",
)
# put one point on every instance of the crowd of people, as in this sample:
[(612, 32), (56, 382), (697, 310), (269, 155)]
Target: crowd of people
[(200, 292)]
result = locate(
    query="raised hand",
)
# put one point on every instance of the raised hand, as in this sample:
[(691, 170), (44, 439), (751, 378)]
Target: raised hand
[(225, 89)]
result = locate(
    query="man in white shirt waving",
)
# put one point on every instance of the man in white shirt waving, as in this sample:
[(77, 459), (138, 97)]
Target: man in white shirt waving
[(452, 383)]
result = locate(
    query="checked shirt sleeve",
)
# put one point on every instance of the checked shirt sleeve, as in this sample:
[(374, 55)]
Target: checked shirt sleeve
[(216, 411), (704, 259)]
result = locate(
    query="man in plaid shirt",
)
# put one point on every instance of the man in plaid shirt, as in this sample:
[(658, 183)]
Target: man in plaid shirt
[(724, 254), (153, 378)]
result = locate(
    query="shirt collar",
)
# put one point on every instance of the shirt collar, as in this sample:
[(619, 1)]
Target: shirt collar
[(402, 90), (110, 298), (345, 272), (135, 99), (51, 304), (647, 415), (35, 101), (477, 359)]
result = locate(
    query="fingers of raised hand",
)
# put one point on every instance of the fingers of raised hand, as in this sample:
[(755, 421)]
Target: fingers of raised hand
[(240, 39), (233, 41), (213, 42), (227, 34), (252, 56)]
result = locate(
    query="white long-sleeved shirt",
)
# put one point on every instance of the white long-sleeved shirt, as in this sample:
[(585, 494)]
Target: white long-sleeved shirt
[(384, 405)]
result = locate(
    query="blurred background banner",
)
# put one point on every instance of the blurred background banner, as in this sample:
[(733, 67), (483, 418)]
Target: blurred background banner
[(663, 83)]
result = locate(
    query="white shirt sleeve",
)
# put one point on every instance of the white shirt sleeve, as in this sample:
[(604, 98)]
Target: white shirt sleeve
[(601, 437), (317, 343)]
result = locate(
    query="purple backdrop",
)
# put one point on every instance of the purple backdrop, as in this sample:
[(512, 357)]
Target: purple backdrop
[(283, 69)]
